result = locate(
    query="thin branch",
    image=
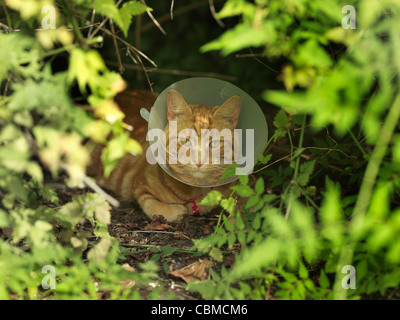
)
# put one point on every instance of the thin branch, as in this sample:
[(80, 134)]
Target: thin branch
[(130, 46), (102, 23), (214, 14), (138, 39), (154, 19), (92, 185), (171, 10), (7, 15), (158, 231), (177, 12), (120, 66), (92, 22), (100, 191), (177, 72)]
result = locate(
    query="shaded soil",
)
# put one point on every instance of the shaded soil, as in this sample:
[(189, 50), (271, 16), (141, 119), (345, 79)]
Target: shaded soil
[(142, 236)]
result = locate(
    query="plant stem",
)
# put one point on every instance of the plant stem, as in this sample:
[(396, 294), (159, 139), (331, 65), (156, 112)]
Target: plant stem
[(222, 211), (296, 169), (365, 154), (7, 15), (75, 25), (364, 196)]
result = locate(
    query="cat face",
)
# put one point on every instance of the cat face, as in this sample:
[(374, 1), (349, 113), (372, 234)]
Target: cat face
[(201, 145)]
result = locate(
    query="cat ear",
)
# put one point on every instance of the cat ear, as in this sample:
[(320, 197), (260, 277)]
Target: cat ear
[(229, 111), (177, 106)]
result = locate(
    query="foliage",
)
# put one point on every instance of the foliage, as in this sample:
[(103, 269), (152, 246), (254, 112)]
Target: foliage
[(333, 202), (330, 227), (41, 126)]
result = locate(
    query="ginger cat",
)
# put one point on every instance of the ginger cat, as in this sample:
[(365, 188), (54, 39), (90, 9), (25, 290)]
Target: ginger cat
[(156, 191)]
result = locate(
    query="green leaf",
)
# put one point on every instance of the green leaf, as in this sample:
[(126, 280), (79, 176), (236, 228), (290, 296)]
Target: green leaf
[(168, 250), (303, 273), (4, 219), (311, 54), (243, 178), (235, 8), (121, 16), (266, 159), (212, 198), (230, 171), (231, 240), (243, 190), (35, 171), (269, 197), (128, 10), (281, 120), (362, 269), (306, 169), (216, 254), (259, 187), (39, 233), (228, 205), (253, 200), (240, 37), (228, 224), (241, 236), (239, 222)]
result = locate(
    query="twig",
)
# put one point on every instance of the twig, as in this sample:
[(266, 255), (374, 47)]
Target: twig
[(92, 22), (177, 12), (92, 185), (100, 191), (102, 23), (138, 40), (296, 169), (365, 154), (214, 14), (130, 46), (120, 66), (75, 25), (7, 15), (177, 72), (154, 19), (159, 231), (171, 10)]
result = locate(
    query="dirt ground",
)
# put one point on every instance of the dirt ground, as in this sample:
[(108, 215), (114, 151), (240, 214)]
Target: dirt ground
[(144, 237), (139, 234)]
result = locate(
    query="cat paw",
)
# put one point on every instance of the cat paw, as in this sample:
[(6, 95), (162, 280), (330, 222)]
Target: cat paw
[(173, 212)]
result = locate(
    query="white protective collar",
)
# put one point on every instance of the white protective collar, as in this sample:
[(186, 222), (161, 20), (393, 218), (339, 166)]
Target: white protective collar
[(212, 92)]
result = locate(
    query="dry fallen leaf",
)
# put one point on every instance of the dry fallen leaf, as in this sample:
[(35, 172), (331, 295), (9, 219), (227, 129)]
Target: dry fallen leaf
[(195, 271)]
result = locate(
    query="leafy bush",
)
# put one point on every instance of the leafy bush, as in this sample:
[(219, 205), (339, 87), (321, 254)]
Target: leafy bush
[(356, 89), (332, 204), (42, 127)]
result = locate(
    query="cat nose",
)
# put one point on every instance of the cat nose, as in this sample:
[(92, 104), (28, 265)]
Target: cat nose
[(198, 165)]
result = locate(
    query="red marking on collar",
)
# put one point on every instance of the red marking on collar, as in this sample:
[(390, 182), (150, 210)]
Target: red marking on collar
[(195, 208)]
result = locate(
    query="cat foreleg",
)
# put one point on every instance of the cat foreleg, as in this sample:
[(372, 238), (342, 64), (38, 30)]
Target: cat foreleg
[(153, 207)]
